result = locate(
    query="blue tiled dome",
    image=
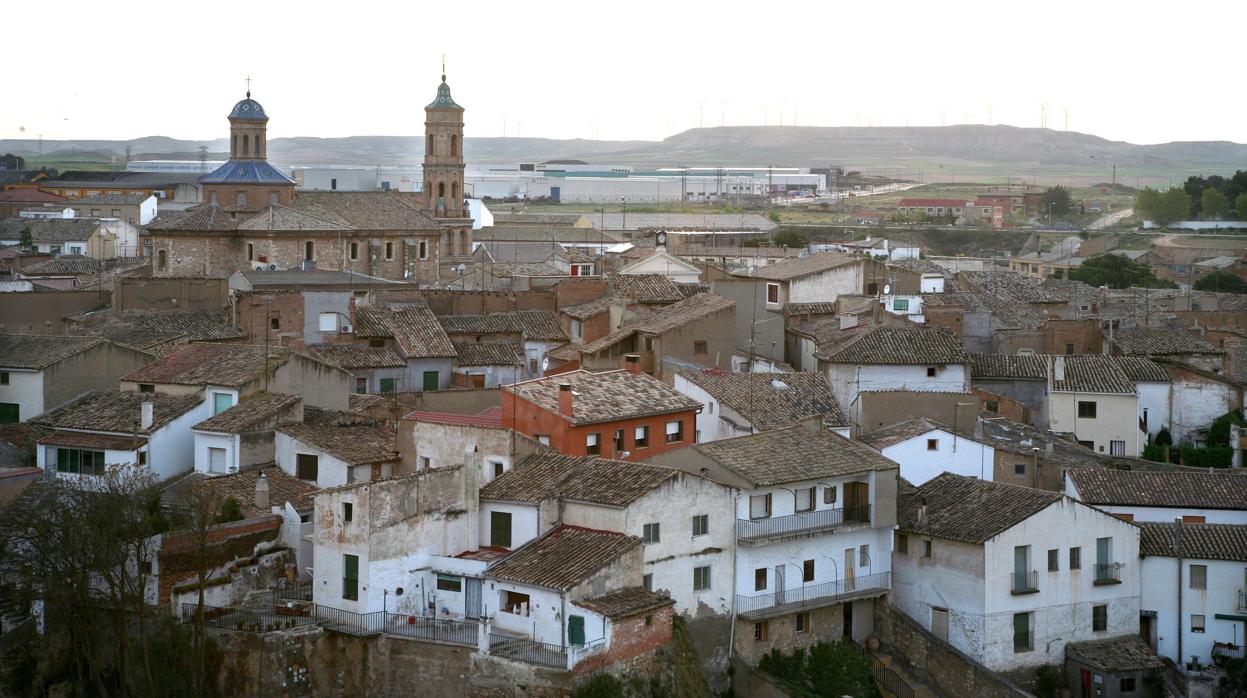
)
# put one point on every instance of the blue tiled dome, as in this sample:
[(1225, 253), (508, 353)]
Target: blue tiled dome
[(443, 100), (248, 110)]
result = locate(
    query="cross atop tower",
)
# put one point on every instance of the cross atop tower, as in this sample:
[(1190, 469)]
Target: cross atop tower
[(248, 87), (443, 67)]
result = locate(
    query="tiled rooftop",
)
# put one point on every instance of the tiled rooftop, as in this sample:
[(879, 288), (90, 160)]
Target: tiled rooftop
[(786, 269), (645, 288), (1010, 285), (1115, 654), (1091, 373), (117, 411), (759, 397), (629, 601), (489, 353), (49, 229), (605, 397), (793, 454), (248, 413), (900, 345), (227, 365), (356, 357), (414, 328), (1155, 341), (1009, 366), (489, 417), (1008, 314), (36, 351), (902, 431), (536, 325), (1193, 489), (968, 509), (562, 558), (1199, 541), (355, 445), (668, 318), (145, 329)]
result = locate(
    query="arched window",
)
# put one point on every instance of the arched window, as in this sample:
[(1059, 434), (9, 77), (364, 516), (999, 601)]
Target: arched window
[(454, 194), (240, 199), (428, 147), (213, 200), (441, 190), (272, 199), (454, 145), (244, 145), (162, 259), (234, 151), (309, 250)]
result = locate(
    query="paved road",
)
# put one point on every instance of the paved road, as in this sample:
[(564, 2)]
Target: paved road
[(1110, 219)]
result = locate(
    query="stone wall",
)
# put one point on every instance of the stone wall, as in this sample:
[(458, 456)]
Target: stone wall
[(936, 662), (176, 561), (452, 302), (148, 293), (31, 312)]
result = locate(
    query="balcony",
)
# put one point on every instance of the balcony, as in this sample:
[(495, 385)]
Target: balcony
[(1023, 583), (1107, 573), (812, 595), (754, 530)]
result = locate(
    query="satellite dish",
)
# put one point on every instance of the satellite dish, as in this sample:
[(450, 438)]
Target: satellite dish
[(887, 288)]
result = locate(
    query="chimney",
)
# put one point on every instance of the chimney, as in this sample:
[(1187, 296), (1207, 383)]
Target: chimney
[(1058, 369), (565, 400), (261, 493), (632, 362), (922, 514), (1048, 443), (147, 415)]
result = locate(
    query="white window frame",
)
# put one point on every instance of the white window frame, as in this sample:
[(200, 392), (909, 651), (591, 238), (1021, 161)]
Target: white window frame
[(675, 428), (328, 322), (769, 286)]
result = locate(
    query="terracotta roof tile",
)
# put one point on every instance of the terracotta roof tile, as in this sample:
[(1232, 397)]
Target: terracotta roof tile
[(1091, 373), (562, 558), (1202, 541), (489, 417), (117, 411), (1155, 341), (758, 398), (1224, 489), (629, 601), (357, 445), (248, 413), (1009, 314), (489, 354), (539, 325), (38, 351), (534, 479), (902, 431), (1115, 654), (804, 266), (282, 488), (645, 288), (605, 397), (353, 356), (414, 328), (1011, 286), (1014, 366), (793, 454), (900, 345), (970, 510), (228, 365), (79, 439)]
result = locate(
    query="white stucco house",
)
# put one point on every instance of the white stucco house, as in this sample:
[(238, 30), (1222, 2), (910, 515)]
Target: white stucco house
[(662, 262), (924, 449), (738, 404), (895, 358), (1010, 574), (1194, 590), (106, 428), (244, 434), (488, 364), (1091, 397), (333, 456), (535, 331), (42, 372), (1190, 494), (814, 518)]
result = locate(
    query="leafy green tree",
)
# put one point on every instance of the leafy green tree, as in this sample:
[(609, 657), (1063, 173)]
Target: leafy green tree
[(1163, 208), (25, 238), (1057, 199), (1240, 206), (790, 239), (828, 669), (1213, 204), (1117, 271), (1234, 683), (1221, 282)]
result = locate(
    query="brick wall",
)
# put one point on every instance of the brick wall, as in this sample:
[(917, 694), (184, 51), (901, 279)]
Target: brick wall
[(257, 311), (1005, 406), (936, 661), (169, 294), (451, 302), (529, 419), (576, 291), (176, 561), (633, 644), (1085, 335)]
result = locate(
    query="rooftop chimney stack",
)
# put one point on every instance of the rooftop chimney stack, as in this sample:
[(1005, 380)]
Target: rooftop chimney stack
[(261, 493), (566, 407), (1058, 369), (148, 415), (632, 362)]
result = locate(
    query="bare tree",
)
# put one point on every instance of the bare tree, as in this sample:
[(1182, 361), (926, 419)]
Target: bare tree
[(201, 505)]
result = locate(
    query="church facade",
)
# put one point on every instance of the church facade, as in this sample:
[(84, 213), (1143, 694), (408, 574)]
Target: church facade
[(252, 217)]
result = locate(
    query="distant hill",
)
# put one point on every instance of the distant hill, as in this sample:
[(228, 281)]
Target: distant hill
[(987, 151)]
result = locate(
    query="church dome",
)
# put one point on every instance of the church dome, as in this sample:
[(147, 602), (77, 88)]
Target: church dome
[(248, 110), (443, 100)]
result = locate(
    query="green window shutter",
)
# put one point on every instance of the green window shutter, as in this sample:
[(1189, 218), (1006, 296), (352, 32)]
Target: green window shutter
[(500, 529), (10, 413), (387, 385), (576, 630), (350, 577), (430, 380)]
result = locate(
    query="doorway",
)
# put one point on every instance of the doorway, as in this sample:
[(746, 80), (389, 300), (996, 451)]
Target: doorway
[(472, 597), (850, 569)]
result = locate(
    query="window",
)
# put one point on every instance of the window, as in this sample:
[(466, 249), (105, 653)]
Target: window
[(250, 251), (807, 571), (274, 323), (926, 548), (805, 499), (307, 466), (431, 380), (1117, 448), (4, 379), (900, 304), (333, 183), (216, 460), (650, 534), (1023, 637), (449, 582), (423, 249), (497, 467), (863, 556), (902, 543), (1099, 618), (640, 437), (992, 406), (78, 461), (699, 347), (1197, 624), (328, 322), (515, 603), (425, 463), (593, 444), (387, 385), (350, 577), (930, 371), (762, 630), (1199, 576), (933, 444), (221, 402), (803, 622), (701, 524), (389, 250), (309, 251), (1103, 558), (162, 259), (1069, 348), (354, 251), (361, 385), (939, 622), (760, 506), (1075, 558), (759, 579), (147, 387), (1054, 564), (675, 432), (829, 495), (772, 293), (620, 446), (348, 511), (1086, 409), (500, 529), (1127, 685), (1019, 469), (701, 578), (647, 582)]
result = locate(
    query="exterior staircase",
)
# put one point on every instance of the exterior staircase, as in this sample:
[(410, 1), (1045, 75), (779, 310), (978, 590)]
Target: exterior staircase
[(909, 686)]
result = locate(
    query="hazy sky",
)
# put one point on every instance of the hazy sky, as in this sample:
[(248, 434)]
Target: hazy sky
[(1136, 71)]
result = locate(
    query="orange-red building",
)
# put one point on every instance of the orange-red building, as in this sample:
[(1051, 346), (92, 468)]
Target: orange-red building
[(622, 414)]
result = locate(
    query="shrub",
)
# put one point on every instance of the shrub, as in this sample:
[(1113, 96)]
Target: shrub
[(829, 669), (1219, 430), (1211, 457), (600, 686), (1048, 680), (1163, 437)]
